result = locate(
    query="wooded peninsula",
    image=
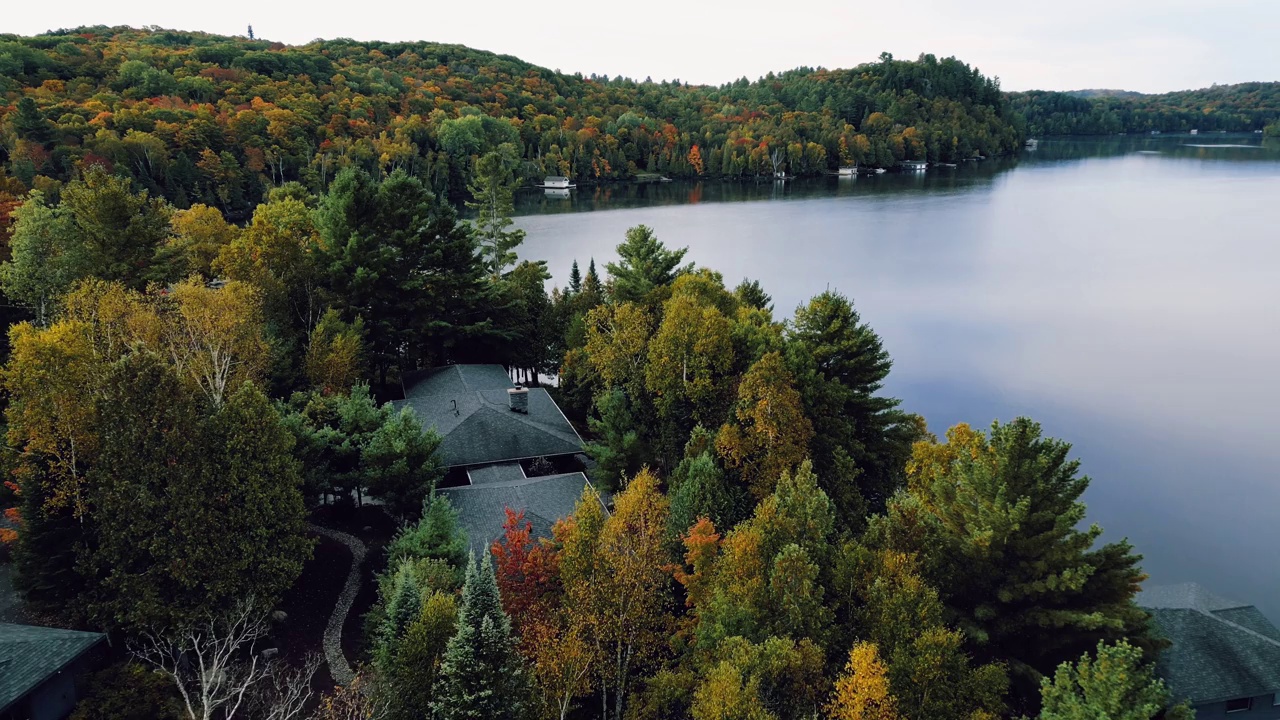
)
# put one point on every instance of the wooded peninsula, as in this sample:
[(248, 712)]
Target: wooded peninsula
[(228, 263)]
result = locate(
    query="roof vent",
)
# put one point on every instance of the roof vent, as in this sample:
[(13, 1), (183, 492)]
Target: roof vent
[(518, 397)]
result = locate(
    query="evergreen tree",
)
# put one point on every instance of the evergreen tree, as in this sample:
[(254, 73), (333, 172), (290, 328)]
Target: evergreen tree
[(436, 536), (861, 440), (399, 462), (644, 264), (751, 294), (30, 124), (1113, 683), (349, 445), (493, 193), (698, 490), (616, 448), (119, 231), (996, 521), (398, 259), (415, 666), (482, 676), (167, 474), (575, 279)]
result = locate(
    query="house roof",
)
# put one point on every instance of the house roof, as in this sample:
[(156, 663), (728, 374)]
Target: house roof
[(1222, 649), (30, 654), (544, 500), (468, 405)]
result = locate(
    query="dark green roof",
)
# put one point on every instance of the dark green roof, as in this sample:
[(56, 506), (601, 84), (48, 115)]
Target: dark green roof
[(468, 405), (30, 654), (1220, 649), (544, 500)]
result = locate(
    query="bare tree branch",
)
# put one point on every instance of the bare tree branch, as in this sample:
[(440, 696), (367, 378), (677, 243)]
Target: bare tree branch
[(285, 690), (206, 662)]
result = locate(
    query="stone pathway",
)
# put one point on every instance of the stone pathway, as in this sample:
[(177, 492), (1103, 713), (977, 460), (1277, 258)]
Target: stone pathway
[(338, 666)]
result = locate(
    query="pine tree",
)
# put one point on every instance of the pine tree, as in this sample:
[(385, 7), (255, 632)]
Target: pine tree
[(493, 193), (997, 520), (861, 440), (617, 450), (399, 259), (1114, 683), (436, 535), (482, 676), (644, 264), (30, 124)]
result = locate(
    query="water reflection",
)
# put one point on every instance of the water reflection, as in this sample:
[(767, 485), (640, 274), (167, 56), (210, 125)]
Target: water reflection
[(1121, 291)]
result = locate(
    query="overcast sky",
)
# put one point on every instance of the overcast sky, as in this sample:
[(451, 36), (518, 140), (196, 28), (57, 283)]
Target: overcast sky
[(1144, 45)]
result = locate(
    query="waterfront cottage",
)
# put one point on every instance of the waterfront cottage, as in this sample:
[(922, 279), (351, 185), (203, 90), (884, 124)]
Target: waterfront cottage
[(493, 433)]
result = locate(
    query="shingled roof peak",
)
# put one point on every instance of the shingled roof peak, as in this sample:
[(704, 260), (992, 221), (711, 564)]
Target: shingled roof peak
[(1185, 596)]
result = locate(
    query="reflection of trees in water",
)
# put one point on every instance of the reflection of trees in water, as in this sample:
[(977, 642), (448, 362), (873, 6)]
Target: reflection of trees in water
[(630, 195), (937, 179), (1175, 146)]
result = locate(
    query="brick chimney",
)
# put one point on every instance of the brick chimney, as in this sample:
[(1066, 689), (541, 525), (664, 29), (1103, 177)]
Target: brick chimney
[(518, 397)]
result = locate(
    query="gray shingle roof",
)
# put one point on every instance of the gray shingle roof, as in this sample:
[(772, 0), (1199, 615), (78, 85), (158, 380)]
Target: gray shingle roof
[(30, 654), (495, 473), (544, 500), (468, 406), (1221, 649)]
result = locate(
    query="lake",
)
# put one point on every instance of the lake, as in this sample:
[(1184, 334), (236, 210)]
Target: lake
[(1125, 292)]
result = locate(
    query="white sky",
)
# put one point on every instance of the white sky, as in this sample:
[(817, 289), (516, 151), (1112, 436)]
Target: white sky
[(1144, 45)]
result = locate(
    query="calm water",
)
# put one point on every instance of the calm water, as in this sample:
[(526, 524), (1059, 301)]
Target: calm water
[(1123, 292)]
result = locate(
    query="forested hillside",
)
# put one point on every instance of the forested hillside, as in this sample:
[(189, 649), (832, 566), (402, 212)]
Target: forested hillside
[(219, 120), (1234, 108), (783, 540)]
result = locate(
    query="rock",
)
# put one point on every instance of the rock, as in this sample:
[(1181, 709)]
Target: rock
[(367, 529), (279, 616), (270, 653)]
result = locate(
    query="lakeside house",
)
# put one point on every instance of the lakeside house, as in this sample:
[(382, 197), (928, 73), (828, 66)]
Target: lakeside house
[(1225, 655), (493, 434), (556, 182), (41, 670)]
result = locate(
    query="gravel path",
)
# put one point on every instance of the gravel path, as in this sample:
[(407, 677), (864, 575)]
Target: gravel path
[(338, 666)]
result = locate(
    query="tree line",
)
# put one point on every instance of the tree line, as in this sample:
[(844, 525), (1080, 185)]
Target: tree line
[(1245, 107), (219, 121)]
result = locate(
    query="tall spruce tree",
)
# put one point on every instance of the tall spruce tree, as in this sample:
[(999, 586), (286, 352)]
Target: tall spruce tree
[(575, 279), (482, 676)]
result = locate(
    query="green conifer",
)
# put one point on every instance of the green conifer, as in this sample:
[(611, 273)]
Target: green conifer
[(482, 676)]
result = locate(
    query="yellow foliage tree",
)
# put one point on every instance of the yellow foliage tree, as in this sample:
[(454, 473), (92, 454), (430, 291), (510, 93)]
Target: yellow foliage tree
[(335, 354), (199, 235), (862, 690), (51, 380), (278, 253), (689, 359), (616, 581), (617, 338), (772, 434), (215, 337)]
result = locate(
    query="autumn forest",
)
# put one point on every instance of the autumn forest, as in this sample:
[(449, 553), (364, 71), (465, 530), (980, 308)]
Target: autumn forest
[(221, 257)]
